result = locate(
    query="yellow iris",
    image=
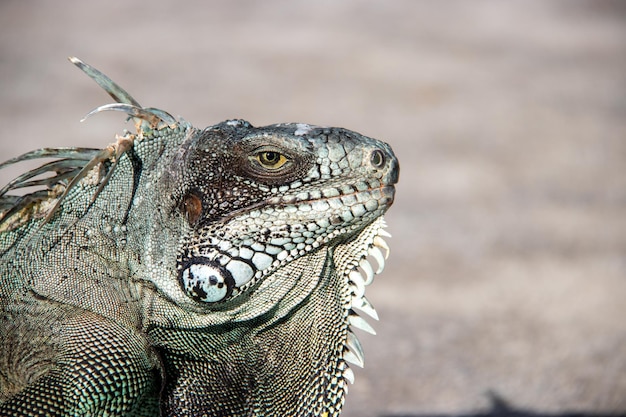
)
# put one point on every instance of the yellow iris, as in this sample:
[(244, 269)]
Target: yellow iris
[(271, 159)]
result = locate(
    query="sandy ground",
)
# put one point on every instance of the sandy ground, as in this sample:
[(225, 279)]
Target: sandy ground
[(508, 264)]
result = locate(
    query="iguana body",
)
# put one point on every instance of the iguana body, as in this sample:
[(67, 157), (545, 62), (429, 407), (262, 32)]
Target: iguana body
[(191, 272)]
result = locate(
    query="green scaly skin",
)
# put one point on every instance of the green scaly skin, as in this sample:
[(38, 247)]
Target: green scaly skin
[(182, 271)]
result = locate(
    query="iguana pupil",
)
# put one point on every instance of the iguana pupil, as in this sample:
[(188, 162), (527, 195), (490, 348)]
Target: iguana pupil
[(270, 159)]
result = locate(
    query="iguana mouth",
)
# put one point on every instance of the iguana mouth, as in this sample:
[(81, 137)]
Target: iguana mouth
[(383, 195), (324, 199), (333, 192)]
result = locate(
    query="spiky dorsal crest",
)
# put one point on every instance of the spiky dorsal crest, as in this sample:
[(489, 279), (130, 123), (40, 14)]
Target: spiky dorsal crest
[(70, 165)]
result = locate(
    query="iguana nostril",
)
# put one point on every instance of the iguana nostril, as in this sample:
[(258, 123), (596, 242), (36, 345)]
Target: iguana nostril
[(377, 158)]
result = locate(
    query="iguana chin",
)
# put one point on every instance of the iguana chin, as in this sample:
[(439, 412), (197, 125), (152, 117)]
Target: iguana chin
[(185, 271)]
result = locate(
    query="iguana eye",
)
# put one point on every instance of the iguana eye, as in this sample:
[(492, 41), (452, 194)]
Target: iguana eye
[(271, 159)]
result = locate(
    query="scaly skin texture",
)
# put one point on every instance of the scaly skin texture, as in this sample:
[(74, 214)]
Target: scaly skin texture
[(191, 272)]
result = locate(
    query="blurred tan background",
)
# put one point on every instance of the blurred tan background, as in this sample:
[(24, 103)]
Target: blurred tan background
[(508, 265)]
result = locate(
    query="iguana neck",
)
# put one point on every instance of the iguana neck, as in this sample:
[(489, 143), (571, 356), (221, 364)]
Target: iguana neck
[(299, 343)]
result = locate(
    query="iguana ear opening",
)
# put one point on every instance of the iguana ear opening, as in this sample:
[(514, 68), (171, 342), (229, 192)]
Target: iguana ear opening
[(191, 207)]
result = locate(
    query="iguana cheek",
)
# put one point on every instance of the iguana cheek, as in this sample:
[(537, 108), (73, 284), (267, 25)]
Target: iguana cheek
[(240, 271), (206, 281)]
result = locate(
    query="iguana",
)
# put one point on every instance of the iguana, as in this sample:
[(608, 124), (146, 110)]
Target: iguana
[(184, 271)]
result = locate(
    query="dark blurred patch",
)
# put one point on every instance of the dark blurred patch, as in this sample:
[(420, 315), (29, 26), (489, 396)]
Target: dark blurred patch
[(501, 408), (614, 8)]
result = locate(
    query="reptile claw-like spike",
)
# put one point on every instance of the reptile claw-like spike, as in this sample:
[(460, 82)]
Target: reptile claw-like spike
[(348, 374), (118, 93), (149, 115), (125, 102), (378, 256), (380, 242), (70, 162), (79, 154), (101, 156), (351, 357), (360, 323), (14, 204), (369, 271), (118, 148), (353, 343), (163, 115), (48, 182), (115, 150), (365, 306), (359, 282), (62, 166)]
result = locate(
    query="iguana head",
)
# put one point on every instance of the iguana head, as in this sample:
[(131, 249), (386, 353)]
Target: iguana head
[(256, 199)]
